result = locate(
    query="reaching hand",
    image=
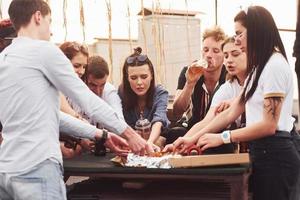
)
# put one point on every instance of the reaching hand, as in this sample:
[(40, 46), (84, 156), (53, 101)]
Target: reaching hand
[(69, 152), (180, 145), (209, 140), (116, 144), (168, 148), (136, 143), (222, 106), (87, 144), (154, 147)]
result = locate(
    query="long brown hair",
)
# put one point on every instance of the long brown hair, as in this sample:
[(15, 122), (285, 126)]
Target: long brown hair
[(71, 49), (129, 97)]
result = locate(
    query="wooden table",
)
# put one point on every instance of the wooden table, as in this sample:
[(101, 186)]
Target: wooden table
[(233, 178)]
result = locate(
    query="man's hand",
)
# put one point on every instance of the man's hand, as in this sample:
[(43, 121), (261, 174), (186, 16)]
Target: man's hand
[(193, 73), (69, 153), (136, 143), (117, 144)]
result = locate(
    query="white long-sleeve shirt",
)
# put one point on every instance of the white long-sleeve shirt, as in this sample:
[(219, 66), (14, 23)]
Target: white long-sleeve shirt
[(110, 96), (31, 74)]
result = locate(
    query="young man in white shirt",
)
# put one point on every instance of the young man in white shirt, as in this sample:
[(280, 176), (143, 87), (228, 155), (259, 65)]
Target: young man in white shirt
[(32, 71), (96, 76)]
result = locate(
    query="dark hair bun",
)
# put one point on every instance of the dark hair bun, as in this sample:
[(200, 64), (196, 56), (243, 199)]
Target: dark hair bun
[(7, 29), (138, 50)]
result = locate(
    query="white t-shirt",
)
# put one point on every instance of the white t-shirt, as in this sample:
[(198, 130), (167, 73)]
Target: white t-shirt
[(110, 96), (227, 91), (276, 80), (31, 74)]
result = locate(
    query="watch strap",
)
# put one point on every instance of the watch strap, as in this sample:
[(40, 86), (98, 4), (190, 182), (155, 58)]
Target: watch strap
[(226, 136)]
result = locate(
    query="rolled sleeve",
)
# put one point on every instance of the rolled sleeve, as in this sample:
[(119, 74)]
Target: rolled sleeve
[(75, 127), (58, 69), (160, 105)]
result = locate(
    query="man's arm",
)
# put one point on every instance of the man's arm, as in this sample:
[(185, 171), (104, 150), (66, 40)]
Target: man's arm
[(59, 71), (113, 99), (182, 100), (75, 127), (186, 83)]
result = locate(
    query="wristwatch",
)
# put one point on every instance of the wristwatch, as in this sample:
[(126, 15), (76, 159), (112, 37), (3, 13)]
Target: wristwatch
[(225, 135), (104, 135)]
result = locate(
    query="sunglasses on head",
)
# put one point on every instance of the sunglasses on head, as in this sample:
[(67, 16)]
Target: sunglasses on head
[(136, 59), (78, 47)]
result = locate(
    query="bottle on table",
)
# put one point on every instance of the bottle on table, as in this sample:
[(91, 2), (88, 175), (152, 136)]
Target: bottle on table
[(143, 127)]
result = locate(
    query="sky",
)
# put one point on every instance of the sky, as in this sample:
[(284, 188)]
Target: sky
[(97, 24), (96, 18)]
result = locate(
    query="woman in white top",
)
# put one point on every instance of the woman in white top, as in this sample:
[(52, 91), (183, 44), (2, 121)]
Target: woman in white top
[(267, 100), (235, 63)]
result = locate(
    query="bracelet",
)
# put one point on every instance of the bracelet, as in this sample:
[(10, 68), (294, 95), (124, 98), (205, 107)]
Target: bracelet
[(225, 135)]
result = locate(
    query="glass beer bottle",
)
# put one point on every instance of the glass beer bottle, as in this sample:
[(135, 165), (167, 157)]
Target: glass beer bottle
[(143, 127)]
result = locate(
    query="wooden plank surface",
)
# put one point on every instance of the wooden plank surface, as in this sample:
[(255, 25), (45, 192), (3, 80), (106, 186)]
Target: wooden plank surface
[(209, 160)]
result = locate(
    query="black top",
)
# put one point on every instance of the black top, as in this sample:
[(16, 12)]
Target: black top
[(200, 108)]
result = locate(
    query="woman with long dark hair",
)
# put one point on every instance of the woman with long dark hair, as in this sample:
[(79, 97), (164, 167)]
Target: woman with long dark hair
[(141, 98), (267, 99)]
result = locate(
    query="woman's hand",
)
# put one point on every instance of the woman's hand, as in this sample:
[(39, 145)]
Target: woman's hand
[(222, 106), (209, 140), (180, 145), (168, 148), (154, 146)]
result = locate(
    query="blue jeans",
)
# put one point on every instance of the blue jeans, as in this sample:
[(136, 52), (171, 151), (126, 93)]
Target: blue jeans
[(44, 181)]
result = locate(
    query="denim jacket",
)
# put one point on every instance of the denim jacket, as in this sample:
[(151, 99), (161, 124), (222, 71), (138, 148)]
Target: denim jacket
[(158, 112)]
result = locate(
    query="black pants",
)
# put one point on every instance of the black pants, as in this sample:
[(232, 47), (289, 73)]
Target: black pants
[(297, 70), (296, 141), (172, 134), (276, 167)]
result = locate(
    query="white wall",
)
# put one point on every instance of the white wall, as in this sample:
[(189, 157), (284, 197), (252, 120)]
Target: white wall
[(172, 42)]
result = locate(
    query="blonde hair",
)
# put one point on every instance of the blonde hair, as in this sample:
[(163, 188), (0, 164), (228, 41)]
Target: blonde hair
[(216, 32)]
